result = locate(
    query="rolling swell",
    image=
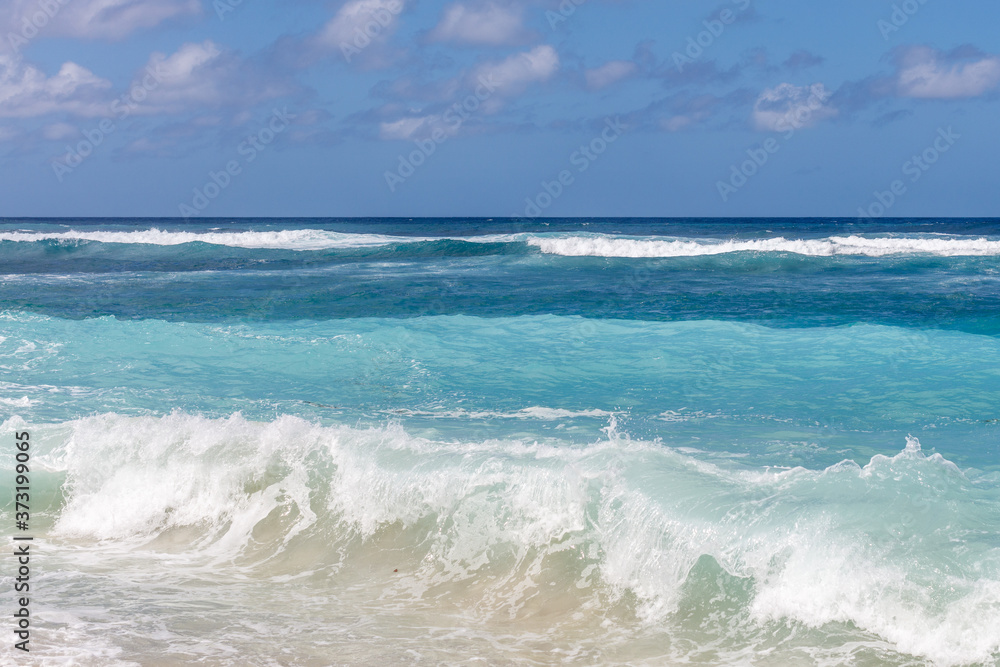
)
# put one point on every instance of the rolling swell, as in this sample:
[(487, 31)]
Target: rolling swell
[(920, 280), (931, 296)]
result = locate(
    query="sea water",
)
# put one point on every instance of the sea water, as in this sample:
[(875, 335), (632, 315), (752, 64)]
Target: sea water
[(646, 442)]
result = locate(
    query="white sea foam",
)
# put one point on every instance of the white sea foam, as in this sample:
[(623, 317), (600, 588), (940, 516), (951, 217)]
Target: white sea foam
[(607, 246), (23, 402)]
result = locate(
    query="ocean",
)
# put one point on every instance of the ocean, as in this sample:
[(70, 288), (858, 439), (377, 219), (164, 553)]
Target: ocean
[(504, 442)]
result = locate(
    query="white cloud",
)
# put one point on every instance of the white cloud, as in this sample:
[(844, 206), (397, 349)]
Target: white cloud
[(373, 19), (196, 77), (404, 128), (609, 73), (787, 107), (408, 128), (485, 24), (90, 19), (26, 92), (517, 71), (186, 60), (926, 73), (678, 123), (189, 77)]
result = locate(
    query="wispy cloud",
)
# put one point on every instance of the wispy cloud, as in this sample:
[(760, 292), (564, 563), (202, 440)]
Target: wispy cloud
[(94, 19), (200, 76), (484, 89), (59, 131), (686, 111)]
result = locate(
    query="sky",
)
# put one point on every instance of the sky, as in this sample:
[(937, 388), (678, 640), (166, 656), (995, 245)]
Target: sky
[(499, 108)]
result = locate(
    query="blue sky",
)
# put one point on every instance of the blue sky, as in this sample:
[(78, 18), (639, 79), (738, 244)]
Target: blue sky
[(225, 108)]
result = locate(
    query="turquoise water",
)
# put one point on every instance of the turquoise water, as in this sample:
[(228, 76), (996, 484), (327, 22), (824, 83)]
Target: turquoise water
[(268, 442)]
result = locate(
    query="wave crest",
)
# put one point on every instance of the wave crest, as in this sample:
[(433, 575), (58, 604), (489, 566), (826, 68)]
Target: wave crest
[(606, 523)]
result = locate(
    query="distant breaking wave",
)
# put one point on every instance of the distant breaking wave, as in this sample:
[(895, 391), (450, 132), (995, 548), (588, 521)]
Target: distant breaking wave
[(568, 245), (293, 239), (604, 246)]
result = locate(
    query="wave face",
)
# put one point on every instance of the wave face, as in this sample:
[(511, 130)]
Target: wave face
[(621, 442), (618, 549), (693, 384)]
